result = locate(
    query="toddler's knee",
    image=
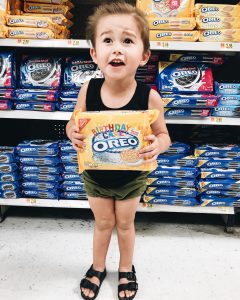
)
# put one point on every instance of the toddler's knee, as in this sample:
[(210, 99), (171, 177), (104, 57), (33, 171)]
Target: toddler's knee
[(124, 224), (105, 223)]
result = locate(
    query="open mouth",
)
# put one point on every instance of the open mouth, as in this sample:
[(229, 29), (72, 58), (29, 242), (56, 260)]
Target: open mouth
[(116, 63)]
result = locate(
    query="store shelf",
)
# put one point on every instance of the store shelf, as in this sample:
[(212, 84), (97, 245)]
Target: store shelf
[(65, 116), (163, 45), (141, 208)]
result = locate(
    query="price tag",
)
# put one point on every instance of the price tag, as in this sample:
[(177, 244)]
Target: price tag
[(23, 41), (32, 200), (216, 119), (147, 205), (164, 45), (75, 43), (226, 45)]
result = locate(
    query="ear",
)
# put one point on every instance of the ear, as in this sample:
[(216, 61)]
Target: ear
[(93, 55), (145, 58)]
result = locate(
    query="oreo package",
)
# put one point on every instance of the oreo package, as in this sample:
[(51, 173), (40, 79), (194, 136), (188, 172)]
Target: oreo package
[(40, 161), (226, 111), (69, 94), (215, 162), (40, 72), (177, 148), (6, 104), (227, 88), (41, 177), (226, 193), (7, 70), (69, 158), (8, 168), (170, 200), (9, 186), (38, 148), (219, 201), (231, 151), (71, 168), (198, 102), (53, 194), (6, 93), (73, 195), (34, 95), (66, 146), (35, 106), (170, 112), (66, 105), (7, 155), (171, 191), (176, 171), (219, 173), (78, 70), (185, 77), (171, 181), (215, 184), (7, 177), (39, 185), (71, 176), (193, 57), (177, 160), (228, 100), (42, 170), (10, 194)]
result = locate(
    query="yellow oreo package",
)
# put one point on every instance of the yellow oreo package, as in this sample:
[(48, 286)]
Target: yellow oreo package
[(167, 8), (114, 138)]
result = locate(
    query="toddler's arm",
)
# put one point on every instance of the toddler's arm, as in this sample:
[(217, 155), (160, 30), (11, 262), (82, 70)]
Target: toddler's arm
[(72, 131), (159, 140)]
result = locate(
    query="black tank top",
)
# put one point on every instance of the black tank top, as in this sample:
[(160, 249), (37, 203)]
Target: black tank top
[(139, 101)]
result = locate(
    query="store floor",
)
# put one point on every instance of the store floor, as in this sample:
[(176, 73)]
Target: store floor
[(45, 252)]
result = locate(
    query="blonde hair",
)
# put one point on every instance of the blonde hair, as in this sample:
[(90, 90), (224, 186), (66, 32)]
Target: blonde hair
[(117, 8)]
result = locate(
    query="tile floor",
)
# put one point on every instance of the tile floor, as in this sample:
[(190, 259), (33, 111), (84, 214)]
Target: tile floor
[(45, 252)]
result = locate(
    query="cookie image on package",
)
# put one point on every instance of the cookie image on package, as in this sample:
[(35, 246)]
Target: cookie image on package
[(185, 77), (42, 72), (78, 70)]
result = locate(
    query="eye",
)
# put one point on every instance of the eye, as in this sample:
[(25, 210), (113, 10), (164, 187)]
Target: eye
[(128, 41), (107, 40)]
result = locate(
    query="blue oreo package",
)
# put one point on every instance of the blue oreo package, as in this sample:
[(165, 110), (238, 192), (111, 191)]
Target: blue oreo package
[(170, 112), (171, 191), (66, 105), (35, 106), (66, 146), (9, 177), (170, 200), (71, 176), (69, 94), (215, 162), (69, 158), (10, 194), (41, 169), (71, 168), (228, 100), (36, 95), (9, 186), (38, 148), (39, 185), (170, 181), (184, 78), (226, 111), (221, 193), (7, 155), (78, 70), (217, 150), (40, 72), (72, 187), (224, 88), (73, 195), (41, 177), (178, 148), (219, 201), (8, 168), (53, 194), (177, 160), (176, 171), (6, 104), (218, 173), (40, 161), (227, 184), (7, 70)]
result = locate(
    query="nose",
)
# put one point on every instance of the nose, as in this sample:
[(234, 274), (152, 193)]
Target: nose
[(117, 49)]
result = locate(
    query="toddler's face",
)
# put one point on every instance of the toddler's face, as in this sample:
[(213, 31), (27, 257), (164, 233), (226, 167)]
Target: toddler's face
[(119, 48)]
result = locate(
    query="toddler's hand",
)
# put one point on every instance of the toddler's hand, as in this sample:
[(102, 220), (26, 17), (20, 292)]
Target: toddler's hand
[(77, 139), (150, 152)]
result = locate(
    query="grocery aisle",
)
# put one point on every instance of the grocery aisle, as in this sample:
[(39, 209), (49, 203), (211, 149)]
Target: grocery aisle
[(45, 252)]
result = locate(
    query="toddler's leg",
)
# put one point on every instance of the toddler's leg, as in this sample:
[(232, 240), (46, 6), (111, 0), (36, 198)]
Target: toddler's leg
[(104, 214), (125, 211)]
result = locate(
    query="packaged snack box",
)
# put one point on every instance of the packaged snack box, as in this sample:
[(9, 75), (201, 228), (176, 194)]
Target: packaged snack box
[(114, 138)]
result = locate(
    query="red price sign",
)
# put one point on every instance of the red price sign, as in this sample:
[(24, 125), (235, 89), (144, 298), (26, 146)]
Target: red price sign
[(23, 41), (164, 45)]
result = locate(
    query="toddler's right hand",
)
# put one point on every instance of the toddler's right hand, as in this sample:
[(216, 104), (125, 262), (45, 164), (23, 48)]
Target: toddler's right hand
[(77, 139)]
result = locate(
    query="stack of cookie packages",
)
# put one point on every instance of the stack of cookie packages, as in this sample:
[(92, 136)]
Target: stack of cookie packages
[(38, 19)]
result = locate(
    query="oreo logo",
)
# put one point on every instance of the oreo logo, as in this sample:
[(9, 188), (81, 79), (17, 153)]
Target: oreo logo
[(211, 32), (186, 76), (15, 21), (40, 70), (209, 9), (163, 34), (209, 20), (159, 22)]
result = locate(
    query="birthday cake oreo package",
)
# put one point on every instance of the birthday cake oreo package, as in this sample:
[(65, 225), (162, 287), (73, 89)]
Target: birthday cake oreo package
[(185, 78), (40, 72), (114, 138)]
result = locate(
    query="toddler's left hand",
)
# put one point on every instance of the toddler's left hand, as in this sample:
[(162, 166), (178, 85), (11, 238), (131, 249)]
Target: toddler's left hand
[(150, 152)]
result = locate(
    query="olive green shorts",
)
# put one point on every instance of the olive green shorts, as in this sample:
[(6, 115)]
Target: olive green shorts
[(134, 188)]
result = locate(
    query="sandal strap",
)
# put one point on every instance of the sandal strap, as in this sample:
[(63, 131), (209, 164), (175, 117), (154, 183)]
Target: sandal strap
[(130, 286), (85, 283), (129, 275), (93, 273)]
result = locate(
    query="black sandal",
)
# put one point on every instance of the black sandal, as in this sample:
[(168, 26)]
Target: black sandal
[(87, 284), (130, 286)]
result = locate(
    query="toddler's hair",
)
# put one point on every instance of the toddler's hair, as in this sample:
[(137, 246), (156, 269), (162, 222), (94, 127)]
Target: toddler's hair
[(117, 8)]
